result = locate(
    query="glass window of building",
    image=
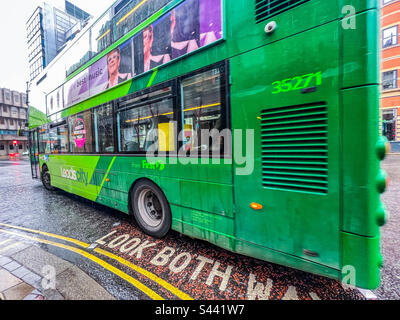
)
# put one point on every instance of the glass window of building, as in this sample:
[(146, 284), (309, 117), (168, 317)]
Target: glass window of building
[(75, 11), (104, 129), (33, 26), (63, 23), (389, 80), (390, 36), (37, 66), (388, 1), (35, 47), (14, 112), (389, 123)]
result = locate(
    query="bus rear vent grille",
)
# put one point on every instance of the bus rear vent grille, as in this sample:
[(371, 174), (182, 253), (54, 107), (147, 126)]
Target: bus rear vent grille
[(295, 148), (268, 8)]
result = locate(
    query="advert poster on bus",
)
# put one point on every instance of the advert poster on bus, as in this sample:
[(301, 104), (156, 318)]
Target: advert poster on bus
[(98, 76), (190, 26), (119, 65), (79, 133), (77, 89), (210, 22)]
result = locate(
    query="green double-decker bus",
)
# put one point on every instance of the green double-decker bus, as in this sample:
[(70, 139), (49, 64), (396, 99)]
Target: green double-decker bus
[(251, 124)]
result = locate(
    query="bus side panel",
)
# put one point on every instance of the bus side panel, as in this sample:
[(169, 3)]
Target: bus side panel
[(361, 204), (360, 50), (363, 211), (363, 181), (201, 203), (271, 81), (358, 5), (207, 226), (74, 174), (245, 34)]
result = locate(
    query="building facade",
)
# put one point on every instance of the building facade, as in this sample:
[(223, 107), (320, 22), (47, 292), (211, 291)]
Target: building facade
[(48, 30), (13, 117), (390, 69)]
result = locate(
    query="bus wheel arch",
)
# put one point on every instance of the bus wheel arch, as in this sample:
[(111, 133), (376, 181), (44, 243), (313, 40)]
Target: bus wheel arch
[(46, 179), (44, 169), (150, 208)]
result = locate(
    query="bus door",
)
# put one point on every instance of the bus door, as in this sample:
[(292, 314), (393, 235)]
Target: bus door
[(34, 153)]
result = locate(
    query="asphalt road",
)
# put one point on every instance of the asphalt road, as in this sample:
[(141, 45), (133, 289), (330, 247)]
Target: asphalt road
[(134, 266)]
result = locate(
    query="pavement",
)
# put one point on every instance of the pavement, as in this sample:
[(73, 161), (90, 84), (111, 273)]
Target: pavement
[(395, 148), (390, 237), (28, 272)]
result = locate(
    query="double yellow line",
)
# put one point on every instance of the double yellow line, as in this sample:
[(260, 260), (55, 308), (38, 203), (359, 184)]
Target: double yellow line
[(149, 292), (9, 246)]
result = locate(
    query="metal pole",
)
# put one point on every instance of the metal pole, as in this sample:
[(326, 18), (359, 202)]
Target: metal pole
[(28, 85)]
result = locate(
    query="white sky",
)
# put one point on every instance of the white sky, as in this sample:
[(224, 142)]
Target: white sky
[(14, 68)]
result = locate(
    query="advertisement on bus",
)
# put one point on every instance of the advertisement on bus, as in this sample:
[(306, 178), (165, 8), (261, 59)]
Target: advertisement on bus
[(185, 29), (77, 89)]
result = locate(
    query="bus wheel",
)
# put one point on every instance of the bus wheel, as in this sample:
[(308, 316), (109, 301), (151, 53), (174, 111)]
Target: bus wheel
[(151, 209), (46, 180)]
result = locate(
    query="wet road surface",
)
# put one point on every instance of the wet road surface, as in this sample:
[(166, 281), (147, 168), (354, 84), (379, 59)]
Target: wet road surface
[(390, 235), (107, 246)]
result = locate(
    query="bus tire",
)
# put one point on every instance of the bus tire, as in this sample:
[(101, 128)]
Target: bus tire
[(46, 179), (151, 209)]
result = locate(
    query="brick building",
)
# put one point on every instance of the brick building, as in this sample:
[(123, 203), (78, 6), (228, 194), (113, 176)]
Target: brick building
[(390, 69)]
